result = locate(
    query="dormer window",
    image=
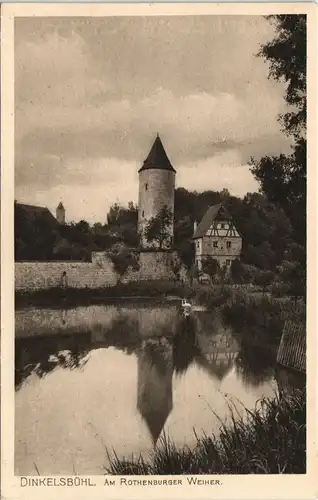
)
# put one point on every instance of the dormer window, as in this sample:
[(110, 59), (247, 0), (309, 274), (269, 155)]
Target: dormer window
[(222, 226)]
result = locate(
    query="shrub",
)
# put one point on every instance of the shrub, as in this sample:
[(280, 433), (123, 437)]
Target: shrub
[(246, 310), (213, 296), (278, 289)]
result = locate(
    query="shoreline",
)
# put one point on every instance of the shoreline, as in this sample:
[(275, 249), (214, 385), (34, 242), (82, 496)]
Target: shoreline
[(169, 292)]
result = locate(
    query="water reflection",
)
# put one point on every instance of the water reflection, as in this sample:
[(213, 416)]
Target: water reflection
[(43, 354), (154, 395), (151, 367), (255, 364)]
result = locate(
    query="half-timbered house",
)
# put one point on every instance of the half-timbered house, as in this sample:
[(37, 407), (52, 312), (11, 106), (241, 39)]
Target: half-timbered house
[(217, 236)]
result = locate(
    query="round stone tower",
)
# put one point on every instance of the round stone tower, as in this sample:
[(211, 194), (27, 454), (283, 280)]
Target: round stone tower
[(156, 192), (60, 214)]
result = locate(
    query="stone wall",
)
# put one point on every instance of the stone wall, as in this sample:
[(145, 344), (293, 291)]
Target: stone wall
[(221, 253), (98, 273)]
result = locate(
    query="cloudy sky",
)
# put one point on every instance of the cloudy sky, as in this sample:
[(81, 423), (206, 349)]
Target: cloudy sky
[(92, 93)]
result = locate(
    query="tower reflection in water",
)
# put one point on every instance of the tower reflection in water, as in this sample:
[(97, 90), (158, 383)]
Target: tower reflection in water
[(158, 360), (154, 394)]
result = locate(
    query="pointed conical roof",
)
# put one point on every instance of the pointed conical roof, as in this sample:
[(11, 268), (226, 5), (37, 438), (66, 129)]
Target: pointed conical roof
[(60, 206), (157, 158)]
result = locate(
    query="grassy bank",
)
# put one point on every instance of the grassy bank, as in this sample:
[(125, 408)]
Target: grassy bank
[(253, 311), (269, 440), (265, 312), (71, 297)]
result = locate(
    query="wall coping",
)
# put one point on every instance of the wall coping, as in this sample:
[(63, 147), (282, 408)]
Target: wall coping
[(53, 262)]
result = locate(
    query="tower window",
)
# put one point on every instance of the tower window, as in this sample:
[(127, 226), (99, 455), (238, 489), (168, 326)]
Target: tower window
[(215, 244), (146, 186), (228, 244), (143, 213)]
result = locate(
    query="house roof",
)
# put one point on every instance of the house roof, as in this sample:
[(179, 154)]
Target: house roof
[(35, 213), (208, 218), (217, 370), (157, 158)]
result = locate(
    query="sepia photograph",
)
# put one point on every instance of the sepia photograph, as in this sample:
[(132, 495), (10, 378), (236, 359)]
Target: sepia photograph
[(160, 236)]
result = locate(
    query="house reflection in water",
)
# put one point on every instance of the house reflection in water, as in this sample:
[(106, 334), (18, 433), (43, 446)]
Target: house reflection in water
[(218, 353), (154, 386)]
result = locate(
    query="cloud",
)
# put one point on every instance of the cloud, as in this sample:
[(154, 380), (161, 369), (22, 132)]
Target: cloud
[(99, 182), (91, 94)]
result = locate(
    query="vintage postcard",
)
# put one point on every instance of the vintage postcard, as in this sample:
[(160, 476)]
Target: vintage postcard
[(158, 258)]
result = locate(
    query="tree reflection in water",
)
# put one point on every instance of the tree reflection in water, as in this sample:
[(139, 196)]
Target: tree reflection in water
[(255, 364), (185, 346), (41, 355)]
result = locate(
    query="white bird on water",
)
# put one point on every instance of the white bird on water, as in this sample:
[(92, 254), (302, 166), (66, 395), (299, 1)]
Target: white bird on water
[(186, 306)]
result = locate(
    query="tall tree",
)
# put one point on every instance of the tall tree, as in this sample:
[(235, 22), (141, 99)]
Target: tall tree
[(123, 259), (158, 228), (283, 178)]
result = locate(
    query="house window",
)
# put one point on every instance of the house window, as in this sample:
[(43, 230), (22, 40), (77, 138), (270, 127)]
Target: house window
[(146, 187), (198, 244), (215, 244), (228, 262), (228, 244), (222, 226)]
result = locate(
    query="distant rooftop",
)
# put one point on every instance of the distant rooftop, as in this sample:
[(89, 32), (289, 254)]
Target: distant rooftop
[(157, 158), (34, 213)]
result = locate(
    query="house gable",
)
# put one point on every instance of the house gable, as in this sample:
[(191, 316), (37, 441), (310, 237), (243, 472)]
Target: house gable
[(217, 222)]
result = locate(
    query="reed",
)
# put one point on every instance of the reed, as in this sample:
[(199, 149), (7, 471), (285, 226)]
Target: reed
[(271, 439)]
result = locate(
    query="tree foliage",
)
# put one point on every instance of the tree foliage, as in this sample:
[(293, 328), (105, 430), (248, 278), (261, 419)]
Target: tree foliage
[(286, 54), (123, 259), (283, 178), (158, 228), (210, 266), (293, 274)]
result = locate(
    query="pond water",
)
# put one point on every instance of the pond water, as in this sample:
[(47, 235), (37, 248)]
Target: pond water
[(118, 376)]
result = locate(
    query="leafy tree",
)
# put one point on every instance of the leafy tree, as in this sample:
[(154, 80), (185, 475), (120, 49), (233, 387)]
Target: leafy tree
[(186, 253), (293, 274), (264, 279), (287, 57), (210, 266), (82, 227), (236, 271), (123, 259), (122, 223), (261, 256), (176, 268), (295, 253), (283, 178), (158, 228)]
